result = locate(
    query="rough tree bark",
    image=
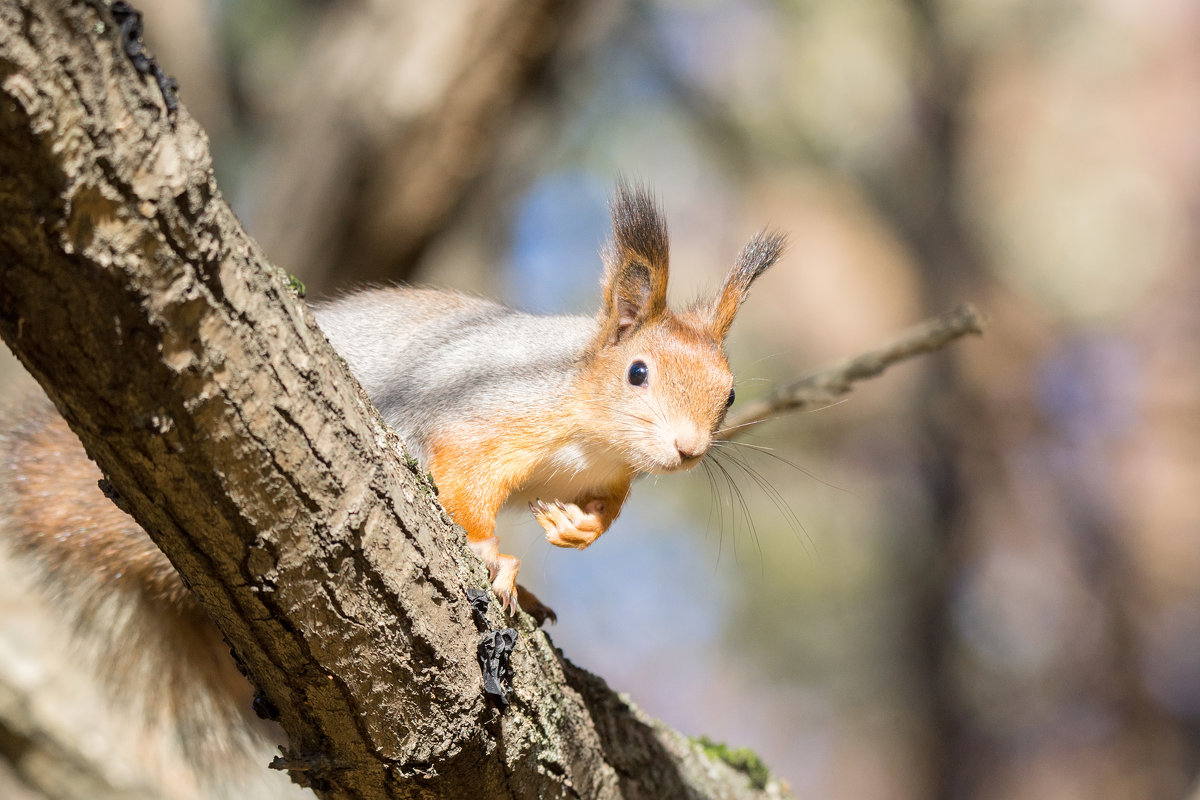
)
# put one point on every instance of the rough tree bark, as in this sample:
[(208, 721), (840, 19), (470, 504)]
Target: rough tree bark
[(230, 430)]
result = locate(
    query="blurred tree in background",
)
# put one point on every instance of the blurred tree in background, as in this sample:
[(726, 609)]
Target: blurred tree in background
[(975, 578)]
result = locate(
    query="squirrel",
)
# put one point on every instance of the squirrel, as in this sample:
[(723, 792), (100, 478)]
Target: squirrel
[(560, 412), (500, 406)]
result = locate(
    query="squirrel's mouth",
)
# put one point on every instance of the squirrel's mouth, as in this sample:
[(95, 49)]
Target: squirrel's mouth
[(680, 463)]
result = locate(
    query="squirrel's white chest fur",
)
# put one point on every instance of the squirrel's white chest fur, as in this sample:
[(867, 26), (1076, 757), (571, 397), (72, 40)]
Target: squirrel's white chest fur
[(574, 469)]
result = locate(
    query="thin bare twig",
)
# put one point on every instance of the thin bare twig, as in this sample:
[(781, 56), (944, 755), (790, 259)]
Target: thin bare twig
[(826, 387)]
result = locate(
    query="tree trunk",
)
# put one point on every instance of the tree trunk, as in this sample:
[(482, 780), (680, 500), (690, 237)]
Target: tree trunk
[(230, 430)]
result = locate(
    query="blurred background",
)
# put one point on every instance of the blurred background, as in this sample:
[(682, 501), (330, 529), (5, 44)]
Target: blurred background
[(977, 576)]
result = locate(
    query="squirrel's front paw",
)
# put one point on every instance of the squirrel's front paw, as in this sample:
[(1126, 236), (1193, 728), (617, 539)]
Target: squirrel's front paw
[(568, 525)]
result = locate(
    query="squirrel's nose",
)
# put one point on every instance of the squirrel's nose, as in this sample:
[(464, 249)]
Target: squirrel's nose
[(691, 446)]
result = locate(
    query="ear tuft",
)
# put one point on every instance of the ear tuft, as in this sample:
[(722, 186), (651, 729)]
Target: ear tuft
[(635, 279), (756, 258), (639, 230)]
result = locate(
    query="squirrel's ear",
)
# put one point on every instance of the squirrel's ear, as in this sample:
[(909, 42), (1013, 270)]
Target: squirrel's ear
[(756, 257), (635, 276)]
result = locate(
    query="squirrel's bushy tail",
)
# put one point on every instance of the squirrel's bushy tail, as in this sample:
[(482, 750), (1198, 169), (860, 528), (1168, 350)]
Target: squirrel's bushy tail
[(133, 621)]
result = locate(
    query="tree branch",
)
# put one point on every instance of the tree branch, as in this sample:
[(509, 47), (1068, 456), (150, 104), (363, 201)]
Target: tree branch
[(235, 436), (824, 388)]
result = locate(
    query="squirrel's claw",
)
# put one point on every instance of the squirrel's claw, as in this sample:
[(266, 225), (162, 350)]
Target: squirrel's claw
[(502, 570), (504, 582)]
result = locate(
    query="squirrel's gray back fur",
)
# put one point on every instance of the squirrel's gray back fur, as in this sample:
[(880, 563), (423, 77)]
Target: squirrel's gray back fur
[(427, 356)]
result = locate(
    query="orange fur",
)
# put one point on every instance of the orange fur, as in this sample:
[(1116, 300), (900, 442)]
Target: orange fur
[(478, 467), (60, 513), (476, 475)]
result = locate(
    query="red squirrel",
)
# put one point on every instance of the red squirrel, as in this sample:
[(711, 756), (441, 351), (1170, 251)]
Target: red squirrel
[(560, 412)]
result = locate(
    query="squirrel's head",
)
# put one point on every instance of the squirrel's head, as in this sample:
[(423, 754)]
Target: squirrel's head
[(660, 378)]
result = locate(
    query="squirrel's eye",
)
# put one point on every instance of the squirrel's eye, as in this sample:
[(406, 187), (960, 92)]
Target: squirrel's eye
[(732, 395), (638, 372)]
